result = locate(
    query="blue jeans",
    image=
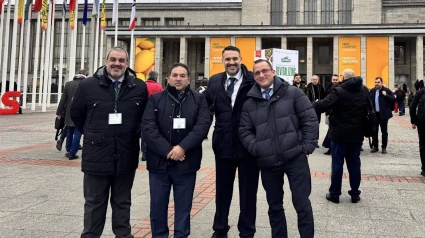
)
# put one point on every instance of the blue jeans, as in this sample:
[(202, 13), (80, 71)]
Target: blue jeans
[(73, 136), (351, 153), (401, 107)]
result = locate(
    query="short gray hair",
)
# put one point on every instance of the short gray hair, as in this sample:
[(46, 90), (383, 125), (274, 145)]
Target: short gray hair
[(117, 48), (348, 73)]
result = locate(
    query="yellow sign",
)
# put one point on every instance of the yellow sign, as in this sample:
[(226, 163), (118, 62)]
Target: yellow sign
[(144, 61), (349, 54), (376, 60), (247, 47), (216, 47)]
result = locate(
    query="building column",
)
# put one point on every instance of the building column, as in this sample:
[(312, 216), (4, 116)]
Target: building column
[(285, 12), (158, 59), (419, 58), (233, 41), (363, 58), (283, 43), (309, 58), (336, 56), (258, 43), (183, 50), (335, 11), (319, 12), (207, 57), (301, 19), (391, 64)]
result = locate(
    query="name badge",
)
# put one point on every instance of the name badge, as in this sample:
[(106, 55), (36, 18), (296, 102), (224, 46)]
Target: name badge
[(115, 118), (179, 123)]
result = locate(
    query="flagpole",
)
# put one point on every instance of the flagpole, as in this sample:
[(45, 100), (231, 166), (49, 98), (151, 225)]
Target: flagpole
[(42, 58), (74, 45), (132, 50), (52, 45), (83, 46), (37, 51), (61, 57), (47, 59), (26, 63), (3, 79), (96, 44), (21, 48), (13, 52), (102, 36), (5, 51), (116, 25)]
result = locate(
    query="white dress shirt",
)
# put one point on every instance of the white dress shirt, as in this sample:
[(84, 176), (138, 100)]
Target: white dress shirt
[(238, 81)]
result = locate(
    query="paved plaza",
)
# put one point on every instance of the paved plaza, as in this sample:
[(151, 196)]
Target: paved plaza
[(41, 192)]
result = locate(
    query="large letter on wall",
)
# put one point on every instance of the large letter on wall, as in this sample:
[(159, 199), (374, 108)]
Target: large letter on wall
[(376, 60), (349, 54), (216, 46), (247, 47), (5, 99)]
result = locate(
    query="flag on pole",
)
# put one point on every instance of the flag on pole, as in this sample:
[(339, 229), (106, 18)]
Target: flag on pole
[(43, 12), (95, 11), (1, 5), (103, 15), (133, 16), (20, 11), (28, 9), (72, 4), (64, 8), (85, 12), (37, 5), (114, 12)]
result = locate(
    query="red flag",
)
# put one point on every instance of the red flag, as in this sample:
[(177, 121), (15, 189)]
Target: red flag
[(1, 5), (72, 4), (37, 5)]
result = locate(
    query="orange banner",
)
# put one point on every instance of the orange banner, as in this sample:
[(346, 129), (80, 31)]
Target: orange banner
[(216, 47), (144, 62), (376, 60), (349, 54), (247, 47)]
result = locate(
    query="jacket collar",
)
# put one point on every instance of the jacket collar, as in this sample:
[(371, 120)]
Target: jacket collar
[(105, 81), (279, 87)]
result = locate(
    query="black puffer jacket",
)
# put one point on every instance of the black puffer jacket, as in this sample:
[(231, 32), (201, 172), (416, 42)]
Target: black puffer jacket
[(226, 142), (348, 104), (160, 137), (281, 129), (109, 149)]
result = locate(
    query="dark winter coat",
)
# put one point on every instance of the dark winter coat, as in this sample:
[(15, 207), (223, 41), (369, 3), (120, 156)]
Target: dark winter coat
[(64, 107), (401, 95), (313, 97), (160, 137), (109, 149), (281, 129), (303, 88), (418, 102), (226, 142), (384, 102), (348, 103)]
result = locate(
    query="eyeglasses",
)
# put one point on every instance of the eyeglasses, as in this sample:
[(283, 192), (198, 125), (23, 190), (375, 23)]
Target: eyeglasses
[(264, 71)]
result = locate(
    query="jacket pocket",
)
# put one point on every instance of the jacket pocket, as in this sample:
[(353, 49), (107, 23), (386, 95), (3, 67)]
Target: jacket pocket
[(94, 138)]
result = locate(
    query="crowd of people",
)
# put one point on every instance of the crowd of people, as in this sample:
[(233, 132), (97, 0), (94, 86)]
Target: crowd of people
[(262, 124)]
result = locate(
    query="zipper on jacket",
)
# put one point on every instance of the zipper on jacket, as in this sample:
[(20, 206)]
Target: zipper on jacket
[(275, 138), (92, 111)]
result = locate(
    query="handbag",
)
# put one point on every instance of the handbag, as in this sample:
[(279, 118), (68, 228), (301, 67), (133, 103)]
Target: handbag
[(59, 123)]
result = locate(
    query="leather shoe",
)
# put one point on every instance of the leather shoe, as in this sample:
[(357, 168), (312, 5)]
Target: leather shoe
[(67, 154), (423, 173), (374, 150), (384, 151), (355, 199), (327, 152), (72, 157), (144, 158), (332, 199), (214, 235)]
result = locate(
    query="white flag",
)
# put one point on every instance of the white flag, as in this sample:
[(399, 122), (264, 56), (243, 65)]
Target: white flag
[(133, 16), (114, 12)]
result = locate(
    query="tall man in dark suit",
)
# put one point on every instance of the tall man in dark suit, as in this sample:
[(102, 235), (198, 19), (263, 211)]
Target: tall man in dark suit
[(226, 93)]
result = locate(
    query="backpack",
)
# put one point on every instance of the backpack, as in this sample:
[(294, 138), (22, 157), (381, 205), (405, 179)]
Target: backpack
[(370, 122)]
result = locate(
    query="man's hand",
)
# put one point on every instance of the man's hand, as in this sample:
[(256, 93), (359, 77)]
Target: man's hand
[(384, 93), (413, 126), (59, 116), (307, 155), (177, 153)]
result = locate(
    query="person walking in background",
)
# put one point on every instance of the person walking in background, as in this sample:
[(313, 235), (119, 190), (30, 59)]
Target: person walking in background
[(400, 97), (410, 96), (417, 118), (381, 98), (317, 92), (73, 135), (298, 82), (327, 141)]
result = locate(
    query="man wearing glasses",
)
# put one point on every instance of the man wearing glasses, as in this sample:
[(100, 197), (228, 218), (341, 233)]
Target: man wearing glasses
[(279, 127)]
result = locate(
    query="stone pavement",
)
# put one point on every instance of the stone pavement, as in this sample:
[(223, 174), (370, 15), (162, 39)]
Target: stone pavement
[(41, 191)]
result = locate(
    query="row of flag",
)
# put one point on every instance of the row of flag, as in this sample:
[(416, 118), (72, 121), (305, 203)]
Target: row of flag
[(42, 7)]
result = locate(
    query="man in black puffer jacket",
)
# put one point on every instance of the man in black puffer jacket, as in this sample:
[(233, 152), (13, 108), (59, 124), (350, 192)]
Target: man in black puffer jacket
[(280, 128), (174, 125), (108, 108), (226, 93), (346, 129)]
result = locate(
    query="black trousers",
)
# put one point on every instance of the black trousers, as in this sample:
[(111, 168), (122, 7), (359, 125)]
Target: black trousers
[(298, 172), (96, 194), (248, 174), (183, 188), (383, 124), (421, 133)]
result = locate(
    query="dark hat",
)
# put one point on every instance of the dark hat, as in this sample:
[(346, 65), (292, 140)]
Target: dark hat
[(153, 75)]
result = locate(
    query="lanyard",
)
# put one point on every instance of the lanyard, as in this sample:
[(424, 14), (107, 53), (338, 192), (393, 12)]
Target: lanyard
[(178, 102)]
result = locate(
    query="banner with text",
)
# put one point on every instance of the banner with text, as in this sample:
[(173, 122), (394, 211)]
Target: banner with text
[(285, 62), (216, 46), (349, 54), (247, 46), (376, 60)]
